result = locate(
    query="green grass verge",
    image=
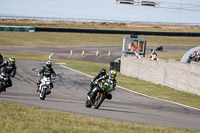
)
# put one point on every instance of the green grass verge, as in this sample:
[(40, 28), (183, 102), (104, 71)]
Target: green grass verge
[(128, 82), (81, 39), (17, 118), (170, 55)]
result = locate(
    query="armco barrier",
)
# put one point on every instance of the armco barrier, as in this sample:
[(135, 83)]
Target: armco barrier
[(17, 28), (172, 73)]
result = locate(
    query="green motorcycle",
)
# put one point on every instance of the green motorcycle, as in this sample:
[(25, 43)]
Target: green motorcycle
[(101, 90)]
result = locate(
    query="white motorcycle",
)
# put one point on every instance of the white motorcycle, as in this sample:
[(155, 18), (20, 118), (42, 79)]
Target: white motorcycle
[(45, 87)]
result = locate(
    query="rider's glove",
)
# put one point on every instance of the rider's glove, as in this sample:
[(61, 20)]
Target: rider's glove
[(110, 89), (91, 83)]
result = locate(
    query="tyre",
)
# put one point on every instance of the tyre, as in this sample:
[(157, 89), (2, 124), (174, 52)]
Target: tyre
[(98, 99), (88, 104), (1, 88), (43, 94)]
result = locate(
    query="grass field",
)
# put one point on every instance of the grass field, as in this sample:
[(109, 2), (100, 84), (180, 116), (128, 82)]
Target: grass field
[(82, 39), (79, 39), (17, 118)]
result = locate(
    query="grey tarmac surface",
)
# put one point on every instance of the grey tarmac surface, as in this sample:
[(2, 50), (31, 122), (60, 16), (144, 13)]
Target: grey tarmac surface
[(90, 52), (69, 95)]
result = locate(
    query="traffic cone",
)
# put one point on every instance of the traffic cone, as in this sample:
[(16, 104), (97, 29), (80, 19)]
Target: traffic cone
[(97, 53), (83, 53), (109, 54), (71, 52)]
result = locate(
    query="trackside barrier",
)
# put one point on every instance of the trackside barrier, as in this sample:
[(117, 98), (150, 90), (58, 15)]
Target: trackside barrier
[(102, 31), (171, 73), (115, 66), (17, 28)]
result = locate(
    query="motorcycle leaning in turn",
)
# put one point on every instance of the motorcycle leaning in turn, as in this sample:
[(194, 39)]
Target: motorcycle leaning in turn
[(103, 90)]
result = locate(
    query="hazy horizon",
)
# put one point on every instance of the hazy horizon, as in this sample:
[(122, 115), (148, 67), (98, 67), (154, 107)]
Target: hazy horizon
[(95, 9)]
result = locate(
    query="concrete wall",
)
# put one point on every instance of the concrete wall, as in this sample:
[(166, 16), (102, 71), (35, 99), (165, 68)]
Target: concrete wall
[(172, 73), (184, 77)]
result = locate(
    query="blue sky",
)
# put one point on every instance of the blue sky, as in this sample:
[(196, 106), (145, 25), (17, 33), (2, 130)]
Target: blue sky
[(96, 9)]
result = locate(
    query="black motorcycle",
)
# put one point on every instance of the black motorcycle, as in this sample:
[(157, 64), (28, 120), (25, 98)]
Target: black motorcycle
[(103, 90), (3, 79)]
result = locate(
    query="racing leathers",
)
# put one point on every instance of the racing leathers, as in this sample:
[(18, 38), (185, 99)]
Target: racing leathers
[(113, 83), (106, 78), (98, 77), (9, 69), (47, 72)]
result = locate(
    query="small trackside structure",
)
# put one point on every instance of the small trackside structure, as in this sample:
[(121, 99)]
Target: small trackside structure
[(133, 46)]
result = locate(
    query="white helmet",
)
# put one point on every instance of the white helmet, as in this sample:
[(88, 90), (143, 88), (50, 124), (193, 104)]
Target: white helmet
[(48, 64)]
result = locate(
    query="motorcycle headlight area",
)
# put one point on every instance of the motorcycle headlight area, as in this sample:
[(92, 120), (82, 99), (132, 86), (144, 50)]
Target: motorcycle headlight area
[(5, 79)]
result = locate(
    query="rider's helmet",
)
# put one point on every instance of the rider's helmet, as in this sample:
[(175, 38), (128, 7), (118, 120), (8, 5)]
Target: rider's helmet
[(48, 64), (11, 61), (112, 74), (103, 72)]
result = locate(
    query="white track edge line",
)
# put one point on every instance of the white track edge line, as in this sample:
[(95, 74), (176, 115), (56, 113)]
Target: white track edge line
[(50, 55), (135, 91)]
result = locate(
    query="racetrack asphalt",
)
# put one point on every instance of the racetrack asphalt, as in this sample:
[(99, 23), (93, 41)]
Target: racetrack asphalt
[(69, 95), (89, 52)]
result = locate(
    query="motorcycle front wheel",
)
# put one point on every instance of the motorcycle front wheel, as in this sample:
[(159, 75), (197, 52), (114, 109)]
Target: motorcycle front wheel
[(43, 94), (88, 104), (98, 99), (1, 87)]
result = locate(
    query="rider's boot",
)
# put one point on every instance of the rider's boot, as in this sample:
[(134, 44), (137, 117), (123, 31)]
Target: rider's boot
[(109, 96), (89, 92), (49, 91), (4, 89), (38, 86)]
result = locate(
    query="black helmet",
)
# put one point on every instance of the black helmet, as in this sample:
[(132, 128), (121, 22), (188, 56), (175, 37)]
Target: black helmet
[(48, 64), (103, 72)]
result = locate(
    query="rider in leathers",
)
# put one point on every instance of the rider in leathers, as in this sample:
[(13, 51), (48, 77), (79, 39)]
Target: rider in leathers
[(113, 82), (10, 68), (102, 76), (46, 71)]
